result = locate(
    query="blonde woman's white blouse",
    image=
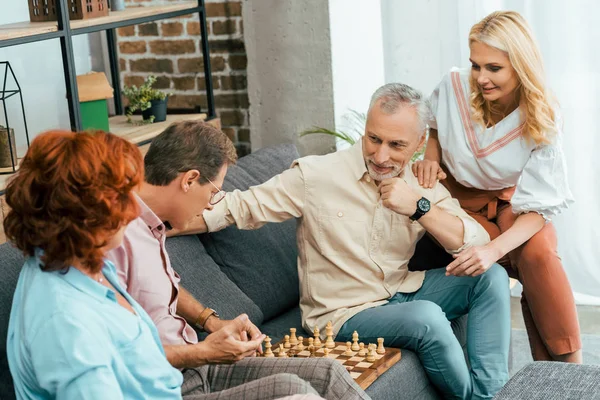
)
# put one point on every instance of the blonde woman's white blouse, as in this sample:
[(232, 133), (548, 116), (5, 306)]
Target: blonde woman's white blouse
[(498, 157)]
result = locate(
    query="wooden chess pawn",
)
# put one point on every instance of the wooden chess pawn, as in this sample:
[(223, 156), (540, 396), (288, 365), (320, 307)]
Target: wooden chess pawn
[(371, 354), (348, 351), (300, 345), (286, 341), (281, 351), (380, 348), (268, 351), (362, 352), (311, 346), (326, 352), (293, 339), (329, 343), (317, 342), (355, 346)]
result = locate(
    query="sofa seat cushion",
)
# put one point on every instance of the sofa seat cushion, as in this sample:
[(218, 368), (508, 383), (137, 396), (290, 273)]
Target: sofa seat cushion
[(12, 261), (203, 278), (553, 381), (263, 262)]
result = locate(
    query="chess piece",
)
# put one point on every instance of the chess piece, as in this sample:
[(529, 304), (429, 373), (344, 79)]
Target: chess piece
[(362, 352), (329, 343), (300, 345), (380, 348), (355, 346), (348, 351), (293, 339), (371, 354), (286, 341), (281, 351), (311, 346), (317, 342), (268, 351), (325, 352)]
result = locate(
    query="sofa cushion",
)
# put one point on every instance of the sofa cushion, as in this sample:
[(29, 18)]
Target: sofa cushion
[(11, 260), (263, 263), (203, 278)]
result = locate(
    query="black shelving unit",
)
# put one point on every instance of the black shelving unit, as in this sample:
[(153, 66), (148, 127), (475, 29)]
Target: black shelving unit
[(65, 34)]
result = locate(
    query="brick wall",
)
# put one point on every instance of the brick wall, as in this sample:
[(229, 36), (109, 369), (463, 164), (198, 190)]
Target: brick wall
[(170, 50)]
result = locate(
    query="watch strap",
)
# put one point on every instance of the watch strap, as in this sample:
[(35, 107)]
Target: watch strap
[(204, 316)]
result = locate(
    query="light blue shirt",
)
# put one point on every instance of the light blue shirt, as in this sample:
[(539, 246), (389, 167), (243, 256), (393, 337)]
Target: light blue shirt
[(68, 338)]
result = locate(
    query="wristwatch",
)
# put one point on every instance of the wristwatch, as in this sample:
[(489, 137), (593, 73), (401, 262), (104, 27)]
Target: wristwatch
[(204, 316), (423, 206)]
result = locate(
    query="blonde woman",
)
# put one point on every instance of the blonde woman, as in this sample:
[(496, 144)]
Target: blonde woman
[(495, 144)]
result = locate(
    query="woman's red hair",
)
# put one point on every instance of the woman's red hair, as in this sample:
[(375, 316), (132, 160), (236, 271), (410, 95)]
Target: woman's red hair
[(71, 192)]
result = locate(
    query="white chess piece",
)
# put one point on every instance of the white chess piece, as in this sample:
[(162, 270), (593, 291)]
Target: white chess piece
[(300, 345), (286, 341), (268, 351), (355, 346), (293, 339), (362, 352), (371, 353), (380, 348), (281, 351), (317, 342), (325, 352), (329, 343), (348, 351)]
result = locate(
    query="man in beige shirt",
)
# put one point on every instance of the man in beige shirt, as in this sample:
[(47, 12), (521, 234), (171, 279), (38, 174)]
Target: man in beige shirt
[(360, 213)]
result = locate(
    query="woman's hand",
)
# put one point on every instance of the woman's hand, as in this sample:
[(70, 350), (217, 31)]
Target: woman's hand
[(428, 172), (473, 261)]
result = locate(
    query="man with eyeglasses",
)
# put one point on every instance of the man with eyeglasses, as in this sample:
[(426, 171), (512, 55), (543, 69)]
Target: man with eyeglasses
[(360, 215), (184, 170)]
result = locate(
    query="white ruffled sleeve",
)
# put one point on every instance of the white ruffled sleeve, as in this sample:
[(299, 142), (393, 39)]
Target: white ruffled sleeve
[(433, 104), (543, 185)]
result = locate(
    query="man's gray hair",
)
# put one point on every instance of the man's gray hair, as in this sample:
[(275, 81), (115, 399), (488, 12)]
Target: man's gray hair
[(394, 95)]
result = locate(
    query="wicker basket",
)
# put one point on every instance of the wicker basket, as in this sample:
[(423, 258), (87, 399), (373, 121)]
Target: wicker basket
[(45, 10)]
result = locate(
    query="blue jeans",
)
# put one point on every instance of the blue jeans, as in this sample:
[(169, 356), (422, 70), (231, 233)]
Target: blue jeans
[(419, 322)]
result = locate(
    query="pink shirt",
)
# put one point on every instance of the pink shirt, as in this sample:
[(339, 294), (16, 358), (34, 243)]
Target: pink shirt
[(145, 271)]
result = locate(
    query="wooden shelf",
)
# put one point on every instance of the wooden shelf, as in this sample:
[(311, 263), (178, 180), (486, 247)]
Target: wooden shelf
[(24, 29), (131, 13), (142, 133), (120, 18), (134, 133)]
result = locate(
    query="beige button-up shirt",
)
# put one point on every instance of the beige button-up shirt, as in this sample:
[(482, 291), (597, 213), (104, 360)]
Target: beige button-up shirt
[(353, 252)]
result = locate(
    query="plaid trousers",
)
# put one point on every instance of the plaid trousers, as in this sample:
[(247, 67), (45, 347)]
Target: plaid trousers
[(271, 378)]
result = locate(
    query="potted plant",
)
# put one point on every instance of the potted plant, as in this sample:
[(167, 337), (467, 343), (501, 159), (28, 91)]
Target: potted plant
[(151, 102)]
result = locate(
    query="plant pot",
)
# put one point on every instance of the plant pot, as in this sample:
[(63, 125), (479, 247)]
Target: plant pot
[(158, 108), (117, 5)]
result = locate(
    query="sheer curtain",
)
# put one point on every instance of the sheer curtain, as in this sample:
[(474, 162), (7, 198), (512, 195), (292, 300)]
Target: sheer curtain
[(423, 40)]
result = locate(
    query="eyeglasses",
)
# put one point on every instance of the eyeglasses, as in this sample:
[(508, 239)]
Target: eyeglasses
[(218, 196)]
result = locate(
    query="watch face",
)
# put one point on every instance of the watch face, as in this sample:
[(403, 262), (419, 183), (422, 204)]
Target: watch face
[(424, 205)]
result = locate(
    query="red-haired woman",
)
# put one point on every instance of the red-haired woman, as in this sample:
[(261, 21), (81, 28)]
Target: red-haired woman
[(73, 332)]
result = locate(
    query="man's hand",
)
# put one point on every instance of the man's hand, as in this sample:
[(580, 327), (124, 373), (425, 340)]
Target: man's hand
[(214, 324), (398, 196), (473, 261), (428, 172), (230, 343)]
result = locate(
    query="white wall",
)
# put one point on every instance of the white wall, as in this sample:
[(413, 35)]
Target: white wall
[(38, 68), (356, 58), (424, 39)]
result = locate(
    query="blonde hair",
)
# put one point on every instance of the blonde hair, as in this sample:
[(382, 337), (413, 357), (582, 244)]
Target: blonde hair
[(509, 32)]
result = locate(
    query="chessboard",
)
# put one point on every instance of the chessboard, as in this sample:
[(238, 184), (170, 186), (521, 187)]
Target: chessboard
[(363, 372)]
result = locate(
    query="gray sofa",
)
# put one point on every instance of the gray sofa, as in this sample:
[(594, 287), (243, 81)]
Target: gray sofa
[(236, 272)]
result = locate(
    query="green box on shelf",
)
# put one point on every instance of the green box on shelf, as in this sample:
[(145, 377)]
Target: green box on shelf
[(94, 90)]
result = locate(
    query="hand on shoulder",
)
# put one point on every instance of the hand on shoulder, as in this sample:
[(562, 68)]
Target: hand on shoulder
[(428, 173)]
